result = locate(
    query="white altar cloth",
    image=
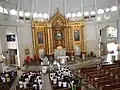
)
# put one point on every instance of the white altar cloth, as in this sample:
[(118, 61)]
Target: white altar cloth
[(63, 59)]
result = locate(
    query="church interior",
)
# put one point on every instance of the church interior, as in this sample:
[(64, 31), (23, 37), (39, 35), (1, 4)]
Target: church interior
[(59, 45)]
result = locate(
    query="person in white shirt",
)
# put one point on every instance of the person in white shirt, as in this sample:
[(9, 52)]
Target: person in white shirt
[(24, 84), (39, 81), (35, 86), (27, 80), (64, 84), (40, 86), (21, 84), (54, 80), (60, 83), (3, 79)]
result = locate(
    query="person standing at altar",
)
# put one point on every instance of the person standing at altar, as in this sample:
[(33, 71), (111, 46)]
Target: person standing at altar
[(27, 60), (36, 58)]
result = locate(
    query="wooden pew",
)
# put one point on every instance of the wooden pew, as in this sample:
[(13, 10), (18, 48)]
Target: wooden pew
[(107, 82), (111, 86)]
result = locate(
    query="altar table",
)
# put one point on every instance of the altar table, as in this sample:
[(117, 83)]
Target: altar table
[(62, 59)]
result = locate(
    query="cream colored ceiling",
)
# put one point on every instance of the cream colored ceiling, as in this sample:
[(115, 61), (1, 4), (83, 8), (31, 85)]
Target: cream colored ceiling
[(43, 5)]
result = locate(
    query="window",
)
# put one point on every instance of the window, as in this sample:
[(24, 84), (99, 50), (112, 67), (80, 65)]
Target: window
[(10, 38), (111, 32)]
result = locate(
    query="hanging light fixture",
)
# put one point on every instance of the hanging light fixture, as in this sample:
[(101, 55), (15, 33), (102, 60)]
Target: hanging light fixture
[(86, 13), (21, 13), (107, 9), (35, 15), (45, 16), (100, 11), (92, 13), (114, 8), (5, 11), (68, 15), (73, 15), (79, 14), (40, 15), (1, 9), (27, 14), (13, 12)]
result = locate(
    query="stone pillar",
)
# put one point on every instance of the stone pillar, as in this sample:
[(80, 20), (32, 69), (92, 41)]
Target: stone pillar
[(118, 38)]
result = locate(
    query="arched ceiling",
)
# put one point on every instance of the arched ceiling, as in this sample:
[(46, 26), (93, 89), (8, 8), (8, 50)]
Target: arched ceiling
[(43, 5)]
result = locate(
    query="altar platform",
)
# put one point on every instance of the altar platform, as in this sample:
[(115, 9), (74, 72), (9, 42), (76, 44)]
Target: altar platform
[(62, 59)]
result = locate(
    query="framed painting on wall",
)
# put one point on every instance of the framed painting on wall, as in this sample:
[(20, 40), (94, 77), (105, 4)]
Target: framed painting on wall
[(27, 51), (40, 37), (76, 35)]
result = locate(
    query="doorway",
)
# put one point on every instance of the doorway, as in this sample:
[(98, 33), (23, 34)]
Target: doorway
[(12, 54), (112, 51)]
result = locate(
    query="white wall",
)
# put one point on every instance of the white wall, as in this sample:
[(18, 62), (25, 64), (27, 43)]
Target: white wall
[(23, 32), (25, 40), (92, 34)]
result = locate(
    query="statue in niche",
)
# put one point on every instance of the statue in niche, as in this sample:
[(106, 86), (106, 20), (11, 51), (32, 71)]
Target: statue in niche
[(58, 35)]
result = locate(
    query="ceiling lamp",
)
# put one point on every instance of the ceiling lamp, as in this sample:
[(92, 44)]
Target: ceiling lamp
[(1, 9), (114, 8), (35, 15), (100, 11), (73, 14), (92, 12), (13, 12), (40, 15), (79, 14), (86, 13), (107, 9), (27, 14), (68, 15), (21, 13), (45, 16), (5, 11)]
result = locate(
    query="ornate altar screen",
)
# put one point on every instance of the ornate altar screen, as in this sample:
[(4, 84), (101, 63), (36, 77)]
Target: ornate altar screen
[(56, 32)]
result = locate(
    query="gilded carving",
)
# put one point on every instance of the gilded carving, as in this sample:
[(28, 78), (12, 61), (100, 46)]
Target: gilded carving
[(58, 31)]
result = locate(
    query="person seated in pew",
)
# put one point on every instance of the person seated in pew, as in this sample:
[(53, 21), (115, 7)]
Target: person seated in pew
[(3, 79), (98, 67), (64, 84), (58, 77), (35, 86), (60, 83), (40, 86), (25, 84), (21, 84), (54, 80), (39, 80)]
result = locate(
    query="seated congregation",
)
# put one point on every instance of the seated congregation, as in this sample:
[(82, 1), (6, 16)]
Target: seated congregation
[(30, 81), (63, 79), (103, 77), (7, 79)]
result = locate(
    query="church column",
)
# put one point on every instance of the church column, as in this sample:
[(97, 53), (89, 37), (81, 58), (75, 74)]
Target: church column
[(82, 39), (49, 44), (118, 38), (34, 41), (71, 40), (51, 41), (67, 39), (46, 41)]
